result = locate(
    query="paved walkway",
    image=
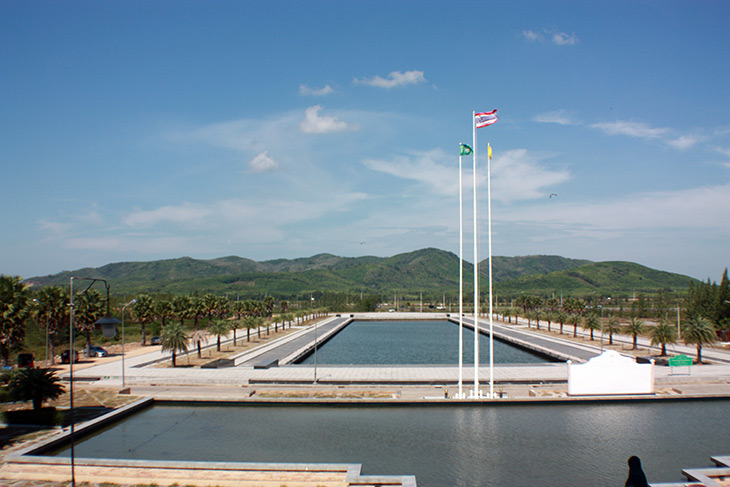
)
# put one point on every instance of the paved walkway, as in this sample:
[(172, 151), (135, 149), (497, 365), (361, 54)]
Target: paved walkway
[(137, 374)]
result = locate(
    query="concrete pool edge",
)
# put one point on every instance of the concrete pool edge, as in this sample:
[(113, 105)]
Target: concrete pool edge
[(28, 463)]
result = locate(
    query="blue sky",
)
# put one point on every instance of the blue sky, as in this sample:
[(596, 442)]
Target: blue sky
[(140, 130)]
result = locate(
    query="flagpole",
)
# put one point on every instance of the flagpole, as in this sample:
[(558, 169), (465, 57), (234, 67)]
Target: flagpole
[(476, 263), (491, 329), (461, 279)]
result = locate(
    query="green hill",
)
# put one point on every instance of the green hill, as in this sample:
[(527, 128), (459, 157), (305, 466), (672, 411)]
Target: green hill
[(598, 278), (425, 271)]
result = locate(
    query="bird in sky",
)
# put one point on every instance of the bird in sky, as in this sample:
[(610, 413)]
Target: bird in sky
[(551, 195)]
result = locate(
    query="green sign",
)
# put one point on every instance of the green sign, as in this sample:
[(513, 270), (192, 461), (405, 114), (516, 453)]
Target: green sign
[(680, 361)]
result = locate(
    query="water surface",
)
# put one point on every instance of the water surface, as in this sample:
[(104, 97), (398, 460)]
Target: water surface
[(412, 343), (486, 445)]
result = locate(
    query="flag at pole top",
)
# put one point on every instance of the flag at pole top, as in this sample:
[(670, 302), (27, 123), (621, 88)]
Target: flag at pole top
[(464, 150), (484, 119)]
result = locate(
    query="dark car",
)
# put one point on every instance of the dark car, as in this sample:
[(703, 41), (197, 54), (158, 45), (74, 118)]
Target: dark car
[(66, 354), (96, 351), (26, 360)]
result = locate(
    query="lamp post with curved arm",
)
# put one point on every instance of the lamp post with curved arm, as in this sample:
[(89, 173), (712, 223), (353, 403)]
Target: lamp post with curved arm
[(109, 327)]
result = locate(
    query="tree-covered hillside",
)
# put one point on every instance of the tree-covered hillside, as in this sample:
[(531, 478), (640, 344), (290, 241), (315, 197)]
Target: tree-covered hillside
[(429, 271)]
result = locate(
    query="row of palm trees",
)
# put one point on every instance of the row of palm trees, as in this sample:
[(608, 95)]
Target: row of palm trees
[(697, 330), (176, 339), (48, 307)]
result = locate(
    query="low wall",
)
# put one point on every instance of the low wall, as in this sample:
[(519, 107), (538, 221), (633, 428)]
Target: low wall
[(30, 464)]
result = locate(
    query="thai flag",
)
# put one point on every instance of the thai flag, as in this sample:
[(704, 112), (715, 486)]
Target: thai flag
[(485, 118)]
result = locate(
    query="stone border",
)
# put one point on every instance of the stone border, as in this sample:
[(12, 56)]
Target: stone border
[(29, 464)]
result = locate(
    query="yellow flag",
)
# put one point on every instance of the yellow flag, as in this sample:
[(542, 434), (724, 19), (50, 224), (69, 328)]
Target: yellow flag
[(489, 151)]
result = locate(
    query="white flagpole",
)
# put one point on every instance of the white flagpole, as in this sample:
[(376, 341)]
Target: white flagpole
[(461, 279), (476, 263), (491, 329)]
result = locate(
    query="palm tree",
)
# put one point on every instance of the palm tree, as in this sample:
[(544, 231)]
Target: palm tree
[(210, 303), (507, 313), (164, 310), (698, 331), (144, 312), (613, 326), (248, 323), (174, 339), (53, 313), (288, 317), (197, 310), (197, 337), (89, 308), (300, 314), (268, 304), (181, 307), (222, 307), (574, 319), (662, 334), (592, 322), (635, 328), (35, 385), (561, 317), (14, 309), (239, 310), (549, 317), (219, 328)]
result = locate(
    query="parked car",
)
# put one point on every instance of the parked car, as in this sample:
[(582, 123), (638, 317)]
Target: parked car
[(26, 360), (66, 354), (155, 340), (96, 351)]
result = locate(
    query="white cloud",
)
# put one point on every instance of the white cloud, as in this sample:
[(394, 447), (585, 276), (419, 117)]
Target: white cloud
[(632, 129), (533, 36), (563, 39), (55, 228), (645, 131), (520, 175), (263, 163), (306, 90), (516, 174), (313, 123), (684, 142), (557, 38), (185, 213), (394, 79), (562, 117), (683, 210), (430, 168)]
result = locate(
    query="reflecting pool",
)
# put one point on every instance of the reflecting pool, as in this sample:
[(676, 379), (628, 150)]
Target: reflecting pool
[(412, 343), (484, 445)]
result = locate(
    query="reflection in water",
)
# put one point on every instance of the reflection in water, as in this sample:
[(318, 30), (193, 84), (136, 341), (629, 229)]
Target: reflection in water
[(484, 445)]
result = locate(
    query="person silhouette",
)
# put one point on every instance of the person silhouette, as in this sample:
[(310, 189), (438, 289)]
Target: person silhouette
[(636, 474)]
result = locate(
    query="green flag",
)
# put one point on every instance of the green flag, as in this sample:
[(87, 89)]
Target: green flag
[(464, 150)]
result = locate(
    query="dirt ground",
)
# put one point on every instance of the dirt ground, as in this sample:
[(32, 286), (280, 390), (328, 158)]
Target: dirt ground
[(228, 350)]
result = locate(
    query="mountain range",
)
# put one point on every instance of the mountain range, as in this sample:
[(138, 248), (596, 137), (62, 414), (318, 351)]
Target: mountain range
[(427, 271)]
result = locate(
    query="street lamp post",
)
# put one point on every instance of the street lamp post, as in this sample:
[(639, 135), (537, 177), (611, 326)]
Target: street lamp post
[(123, 308), (108, 324)]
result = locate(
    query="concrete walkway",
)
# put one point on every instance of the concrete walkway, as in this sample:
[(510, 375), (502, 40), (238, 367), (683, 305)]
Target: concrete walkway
[(139, 373)]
